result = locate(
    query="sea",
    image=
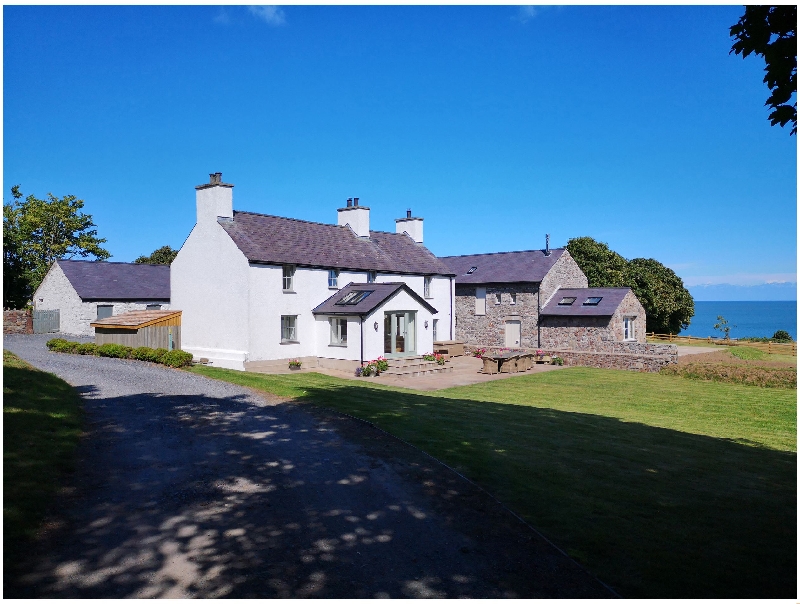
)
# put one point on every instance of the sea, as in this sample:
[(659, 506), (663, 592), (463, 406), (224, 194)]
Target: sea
[(746, 319)]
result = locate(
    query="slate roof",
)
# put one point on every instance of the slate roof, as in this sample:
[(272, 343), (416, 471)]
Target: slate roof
[(278, 240), (611, 299), (381, 292), (117, 280), (135, 318), (503, 267)]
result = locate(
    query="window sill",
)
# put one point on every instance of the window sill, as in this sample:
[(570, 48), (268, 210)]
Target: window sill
[(290, 342), (337, 345), (333, 287), (289, 291)]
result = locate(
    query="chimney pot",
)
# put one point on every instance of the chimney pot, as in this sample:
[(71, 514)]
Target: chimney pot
[(547, 244), (408, 213), (355, 201), (349, 202)]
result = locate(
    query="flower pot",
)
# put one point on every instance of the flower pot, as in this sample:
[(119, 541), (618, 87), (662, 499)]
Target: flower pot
[(293, 368)]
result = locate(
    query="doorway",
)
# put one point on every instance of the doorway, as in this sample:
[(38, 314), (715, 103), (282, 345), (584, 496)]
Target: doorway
[(399, 333), (513, 333)]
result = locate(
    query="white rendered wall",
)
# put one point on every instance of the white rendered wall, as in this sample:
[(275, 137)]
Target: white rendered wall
[(351, 352), (209, 283), (75, 316), (402, 301)]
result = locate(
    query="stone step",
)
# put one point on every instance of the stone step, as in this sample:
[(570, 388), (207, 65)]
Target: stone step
[(417, 371)]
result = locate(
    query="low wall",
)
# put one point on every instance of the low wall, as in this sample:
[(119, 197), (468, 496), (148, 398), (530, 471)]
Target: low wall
[(632, 356), (17, 321), (282, 365)]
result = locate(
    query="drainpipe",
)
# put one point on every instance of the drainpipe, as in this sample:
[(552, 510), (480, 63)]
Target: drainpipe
[(539, 316), (362, 341)]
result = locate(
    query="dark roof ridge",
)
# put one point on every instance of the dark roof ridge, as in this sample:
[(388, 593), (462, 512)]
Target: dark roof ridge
[(98, 261), (552, 249)]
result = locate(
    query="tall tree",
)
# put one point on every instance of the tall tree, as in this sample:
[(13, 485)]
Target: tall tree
[(40, 231), (163, 255), (771, 32), (668, 304), (602, 266)]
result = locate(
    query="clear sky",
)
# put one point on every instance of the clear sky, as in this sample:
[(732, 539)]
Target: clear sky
[(632, 125)]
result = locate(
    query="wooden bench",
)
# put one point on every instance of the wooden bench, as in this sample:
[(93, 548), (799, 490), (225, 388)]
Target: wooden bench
[(449, 348)]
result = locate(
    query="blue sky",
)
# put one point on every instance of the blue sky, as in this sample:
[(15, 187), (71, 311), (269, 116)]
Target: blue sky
[(632, 125)]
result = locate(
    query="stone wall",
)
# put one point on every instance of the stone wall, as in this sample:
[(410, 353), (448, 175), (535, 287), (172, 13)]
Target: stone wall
[(17, 321), (489, 329), (564, 273), (633, 356)]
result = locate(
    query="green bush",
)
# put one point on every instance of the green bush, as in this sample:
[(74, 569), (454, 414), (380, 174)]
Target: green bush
[(55, 343), (88, 348), (176, 358), (159, 354), (116, 351), (145, 353), (782, 336)]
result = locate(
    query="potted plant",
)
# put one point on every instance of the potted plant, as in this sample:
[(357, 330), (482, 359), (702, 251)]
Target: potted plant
[(295, 364)]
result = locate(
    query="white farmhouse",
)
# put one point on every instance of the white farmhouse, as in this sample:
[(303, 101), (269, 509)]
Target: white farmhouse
[(84, 291), (257, 290)]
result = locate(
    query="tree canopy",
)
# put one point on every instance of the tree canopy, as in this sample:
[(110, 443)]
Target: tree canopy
[(668, 304), (38, 231), (163, 255), (771, 32)]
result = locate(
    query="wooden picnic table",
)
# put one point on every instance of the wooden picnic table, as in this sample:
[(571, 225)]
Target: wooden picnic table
[(507, 362)]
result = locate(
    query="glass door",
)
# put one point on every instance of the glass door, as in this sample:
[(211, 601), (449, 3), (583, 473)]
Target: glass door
[(399, 333)]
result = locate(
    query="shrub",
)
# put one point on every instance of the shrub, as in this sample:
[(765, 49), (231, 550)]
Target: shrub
[(116, 351), (749, 375), (176, 358), (366, 370), (55, 343), (381, 363), (88, 348), (782, 336), (145, 353), (359, 371), (159, 354), (556, 361)]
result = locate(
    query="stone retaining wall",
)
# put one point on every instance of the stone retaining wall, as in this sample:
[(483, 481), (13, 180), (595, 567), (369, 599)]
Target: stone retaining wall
[(632, 356), (17, 321)]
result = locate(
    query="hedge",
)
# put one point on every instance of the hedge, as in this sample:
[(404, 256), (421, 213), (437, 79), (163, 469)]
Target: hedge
[(171, 358)]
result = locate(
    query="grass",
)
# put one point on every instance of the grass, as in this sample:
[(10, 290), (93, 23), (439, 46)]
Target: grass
[(42, 418), (662, 486)]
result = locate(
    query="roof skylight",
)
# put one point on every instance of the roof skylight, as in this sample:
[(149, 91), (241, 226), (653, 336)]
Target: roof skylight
[(593, 301), (354, 297), (472, 270), (567, 301)]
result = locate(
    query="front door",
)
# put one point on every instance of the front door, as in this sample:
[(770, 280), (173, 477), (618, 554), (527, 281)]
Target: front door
[(399, 333), (512, 334)]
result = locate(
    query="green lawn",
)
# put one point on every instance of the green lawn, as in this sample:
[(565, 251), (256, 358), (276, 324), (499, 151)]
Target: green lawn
[(41, 426), (662, 486)]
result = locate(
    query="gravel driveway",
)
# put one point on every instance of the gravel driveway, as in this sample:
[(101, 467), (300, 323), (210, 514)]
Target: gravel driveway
[(189, 487)]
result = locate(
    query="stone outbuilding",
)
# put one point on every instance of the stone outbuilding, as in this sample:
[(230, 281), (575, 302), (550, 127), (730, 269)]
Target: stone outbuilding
[(499, 296), (84, 291), (591, 319)]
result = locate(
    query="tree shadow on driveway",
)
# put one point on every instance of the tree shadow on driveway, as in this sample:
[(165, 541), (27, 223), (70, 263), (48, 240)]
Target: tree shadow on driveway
[(195, 496)]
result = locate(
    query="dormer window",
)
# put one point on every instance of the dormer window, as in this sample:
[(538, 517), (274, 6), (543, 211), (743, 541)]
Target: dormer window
[(426, 287), (472, 270), (593, 301), (567, 301), (371, 276), (333, 279)]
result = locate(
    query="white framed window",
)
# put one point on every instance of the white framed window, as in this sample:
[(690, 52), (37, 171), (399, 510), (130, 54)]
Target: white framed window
[(104, 311), (288, 278), (629, 326), (289, 328), (338, 332), (435, 329), (498, 298), (426, 287), (371, 276), (513, 298), (480, 300), (333, 279)]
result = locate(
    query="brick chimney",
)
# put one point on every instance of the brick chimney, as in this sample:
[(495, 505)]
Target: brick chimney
[(412, 226), (214, 200), (355, 216)]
